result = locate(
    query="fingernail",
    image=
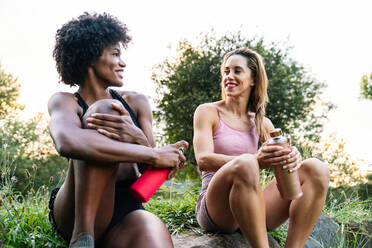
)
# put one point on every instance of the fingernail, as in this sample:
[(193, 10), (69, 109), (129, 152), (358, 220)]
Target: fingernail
[(290, 171), (284, 167)]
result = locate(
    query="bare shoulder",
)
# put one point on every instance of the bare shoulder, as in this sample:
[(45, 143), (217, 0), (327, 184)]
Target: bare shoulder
[(133, 97), (207, 112), (206, 108), (61, 100)]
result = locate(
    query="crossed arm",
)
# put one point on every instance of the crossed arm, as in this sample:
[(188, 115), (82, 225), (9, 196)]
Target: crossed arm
[(72, 141)]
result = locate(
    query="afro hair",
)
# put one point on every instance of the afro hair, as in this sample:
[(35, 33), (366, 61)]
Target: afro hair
[(81, 41)]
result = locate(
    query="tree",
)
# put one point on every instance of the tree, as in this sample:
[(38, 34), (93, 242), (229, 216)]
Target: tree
[(9, 93), (24, 144), (193, 78), (366, 87)]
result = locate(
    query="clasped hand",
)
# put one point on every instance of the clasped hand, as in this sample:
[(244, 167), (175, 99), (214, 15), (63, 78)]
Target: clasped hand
[(118, 127), (121, 128), (272, 155)]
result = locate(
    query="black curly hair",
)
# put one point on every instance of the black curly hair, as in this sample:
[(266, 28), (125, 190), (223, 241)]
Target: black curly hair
[(81, 41)]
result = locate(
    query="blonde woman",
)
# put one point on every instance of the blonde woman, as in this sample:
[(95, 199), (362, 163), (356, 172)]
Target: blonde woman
[(226, 137)]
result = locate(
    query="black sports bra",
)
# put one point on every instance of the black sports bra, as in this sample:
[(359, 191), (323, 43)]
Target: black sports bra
[(114, 95)]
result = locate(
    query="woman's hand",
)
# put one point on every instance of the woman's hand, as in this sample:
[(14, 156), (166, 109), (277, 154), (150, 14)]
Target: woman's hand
[(294, 161), (171, 157), (179, 166), (118, 127), (271, 155)]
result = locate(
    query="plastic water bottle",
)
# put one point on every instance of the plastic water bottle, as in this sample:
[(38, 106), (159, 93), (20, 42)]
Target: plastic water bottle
[(149, 182)]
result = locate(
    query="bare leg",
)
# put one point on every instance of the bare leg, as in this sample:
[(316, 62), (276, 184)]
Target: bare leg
[(94, 191), (303, 212), (234, 199), (139, 229), (79, 207)]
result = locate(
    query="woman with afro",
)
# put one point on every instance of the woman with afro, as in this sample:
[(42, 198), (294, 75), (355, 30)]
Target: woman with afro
[(104, 134)]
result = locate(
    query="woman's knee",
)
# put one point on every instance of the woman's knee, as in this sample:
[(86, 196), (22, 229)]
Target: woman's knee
[(316, 171), (102, 106), (142, 227), (245, 169)]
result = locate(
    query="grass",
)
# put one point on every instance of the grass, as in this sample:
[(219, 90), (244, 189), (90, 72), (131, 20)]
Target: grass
[(177, 210), (24, 217), (24, 221)]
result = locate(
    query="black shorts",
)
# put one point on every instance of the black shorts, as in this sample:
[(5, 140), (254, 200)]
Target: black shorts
[(125, 203)]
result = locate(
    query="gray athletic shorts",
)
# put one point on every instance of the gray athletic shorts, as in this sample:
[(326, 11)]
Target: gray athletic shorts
[(203, 217)]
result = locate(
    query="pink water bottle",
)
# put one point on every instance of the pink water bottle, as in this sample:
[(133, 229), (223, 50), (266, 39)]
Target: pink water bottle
[(149, 182)]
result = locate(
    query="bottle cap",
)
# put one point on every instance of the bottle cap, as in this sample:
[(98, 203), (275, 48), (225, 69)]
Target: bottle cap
[(276, 132)]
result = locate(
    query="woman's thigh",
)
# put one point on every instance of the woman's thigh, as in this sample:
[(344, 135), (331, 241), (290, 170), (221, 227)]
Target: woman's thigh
[(139, 229), (219, 189)]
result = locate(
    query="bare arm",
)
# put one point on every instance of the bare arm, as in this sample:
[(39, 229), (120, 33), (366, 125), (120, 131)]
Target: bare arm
[(145, 119), (74, 142), (205, 118)]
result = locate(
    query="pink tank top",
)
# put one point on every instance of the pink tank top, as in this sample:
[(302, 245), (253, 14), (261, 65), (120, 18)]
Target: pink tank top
[(230, 141)]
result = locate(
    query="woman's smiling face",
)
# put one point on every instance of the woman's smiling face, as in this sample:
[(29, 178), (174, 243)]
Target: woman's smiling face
[(237, 77), (109, 67)]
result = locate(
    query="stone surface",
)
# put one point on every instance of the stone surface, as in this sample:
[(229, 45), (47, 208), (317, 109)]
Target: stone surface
[(191, 239), (324, 234)]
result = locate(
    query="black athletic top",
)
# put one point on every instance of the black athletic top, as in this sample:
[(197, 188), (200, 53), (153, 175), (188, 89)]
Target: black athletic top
[(114, 95)]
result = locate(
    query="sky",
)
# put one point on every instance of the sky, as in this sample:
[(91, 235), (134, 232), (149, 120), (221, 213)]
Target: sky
[(332, 39)]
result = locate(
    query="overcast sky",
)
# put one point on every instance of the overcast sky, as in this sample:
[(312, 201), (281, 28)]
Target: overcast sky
[(332, 39)]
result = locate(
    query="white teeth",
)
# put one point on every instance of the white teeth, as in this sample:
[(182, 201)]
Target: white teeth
[(231, 84)]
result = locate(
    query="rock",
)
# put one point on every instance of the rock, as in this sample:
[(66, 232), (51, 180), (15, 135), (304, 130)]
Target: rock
[(324, 234), (191, 239)]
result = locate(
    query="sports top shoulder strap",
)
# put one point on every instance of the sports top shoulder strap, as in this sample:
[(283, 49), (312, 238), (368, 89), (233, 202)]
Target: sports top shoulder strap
[(118, 97), (81, 102)]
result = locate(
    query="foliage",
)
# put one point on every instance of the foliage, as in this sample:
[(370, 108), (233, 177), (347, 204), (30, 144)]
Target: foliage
[(351, 208), (177, 212), (24, 217), (27, 223), (27, 142), (366, 87), (9, 93), (192, 78), (344, 169)]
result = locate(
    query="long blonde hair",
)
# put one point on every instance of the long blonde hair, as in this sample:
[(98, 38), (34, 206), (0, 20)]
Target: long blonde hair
[(258, 98)]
